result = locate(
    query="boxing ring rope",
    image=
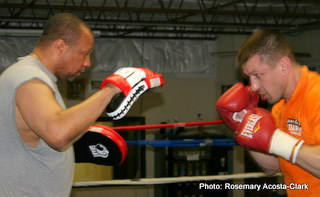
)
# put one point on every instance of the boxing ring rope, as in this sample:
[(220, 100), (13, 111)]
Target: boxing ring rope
[(174, 143), (168, 180), (160, 126), (184, 142)]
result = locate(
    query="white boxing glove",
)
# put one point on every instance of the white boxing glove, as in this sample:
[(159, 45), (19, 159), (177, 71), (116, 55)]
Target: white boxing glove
[(132, 81)]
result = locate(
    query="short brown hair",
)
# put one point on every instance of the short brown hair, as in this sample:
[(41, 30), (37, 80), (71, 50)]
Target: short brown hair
[(269, 44), (64, 26)]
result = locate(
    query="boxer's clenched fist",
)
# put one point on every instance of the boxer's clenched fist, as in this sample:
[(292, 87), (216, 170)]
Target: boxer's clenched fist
[(235, 103), (258, 131)]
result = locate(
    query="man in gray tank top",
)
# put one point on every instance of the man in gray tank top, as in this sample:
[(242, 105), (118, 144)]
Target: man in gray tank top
[(36, 129)]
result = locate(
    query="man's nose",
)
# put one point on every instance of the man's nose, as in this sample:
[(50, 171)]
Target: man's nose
[(87, 62), (254, 85)]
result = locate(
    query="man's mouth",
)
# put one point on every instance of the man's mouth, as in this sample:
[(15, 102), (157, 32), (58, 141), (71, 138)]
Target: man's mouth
[(80, 71), (263, 96)]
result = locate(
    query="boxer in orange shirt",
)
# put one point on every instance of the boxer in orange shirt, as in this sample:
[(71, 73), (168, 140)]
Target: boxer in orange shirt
[(288, 140)]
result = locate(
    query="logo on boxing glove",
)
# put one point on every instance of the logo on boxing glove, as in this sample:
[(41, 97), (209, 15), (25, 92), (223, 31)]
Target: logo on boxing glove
[(99, 150), (251, 126)]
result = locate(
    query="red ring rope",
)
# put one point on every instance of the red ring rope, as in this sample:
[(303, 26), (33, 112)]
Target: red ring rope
[(159, 126)]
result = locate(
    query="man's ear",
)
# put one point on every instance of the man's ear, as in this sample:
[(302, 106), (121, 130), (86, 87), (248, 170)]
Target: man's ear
[(60, 46), (285, 65)]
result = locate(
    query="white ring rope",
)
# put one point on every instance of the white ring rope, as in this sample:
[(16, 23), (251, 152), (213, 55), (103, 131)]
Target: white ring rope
[(168, 180)]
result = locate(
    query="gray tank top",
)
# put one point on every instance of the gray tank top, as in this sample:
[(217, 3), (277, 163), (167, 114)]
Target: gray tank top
[(24, 170)]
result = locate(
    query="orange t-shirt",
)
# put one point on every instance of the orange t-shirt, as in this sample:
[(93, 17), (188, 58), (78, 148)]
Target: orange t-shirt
[(300, 117)]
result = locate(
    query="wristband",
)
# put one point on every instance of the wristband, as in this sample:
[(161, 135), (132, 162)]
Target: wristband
[(295, 151), (285, 145)]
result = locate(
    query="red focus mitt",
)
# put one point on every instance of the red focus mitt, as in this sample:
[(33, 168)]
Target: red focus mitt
[(133, 81), (100, 145)]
